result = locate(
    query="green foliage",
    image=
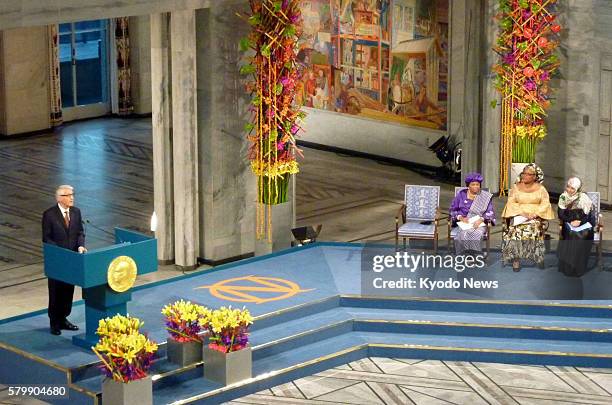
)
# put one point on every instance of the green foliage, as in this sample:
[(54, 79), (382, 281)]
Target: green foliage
[(247, 69), (245, 44), (255, 19), (265, 50), (290, 30)]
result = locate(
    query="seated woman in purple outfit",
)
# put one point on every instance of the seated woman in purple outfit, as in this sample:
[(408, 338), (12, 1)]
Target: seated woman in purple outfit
[(471, 206)]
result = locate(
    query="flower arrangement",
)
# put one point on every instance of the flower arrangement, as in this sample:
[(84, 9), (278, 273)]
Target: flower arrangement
[(185, 320), (526, 43), (525, 141), (229, 329), (273, 42), (126, 353)]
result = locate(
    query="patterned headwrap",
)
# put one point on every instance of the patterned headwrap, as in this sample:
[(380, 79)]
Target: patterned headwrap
[(539, 173), (473, 177), (578, 200)]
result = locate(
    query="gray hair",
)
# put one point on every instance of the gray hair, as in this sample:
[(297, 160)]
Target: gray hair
[(63, 187)]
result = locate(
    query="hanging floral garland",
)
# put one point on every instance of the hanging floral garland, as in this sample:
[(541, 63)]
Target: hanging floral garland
[(526, 43), (276, 29)]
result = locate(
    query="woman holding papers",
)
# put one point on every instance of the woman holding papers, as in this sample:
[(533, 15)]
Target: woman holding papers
[(527, 207), (469, 210), (574, 211)]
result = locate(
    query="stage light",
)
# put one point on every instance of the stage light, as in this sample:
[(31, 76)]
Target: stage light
[(154, 222), (306, 234)]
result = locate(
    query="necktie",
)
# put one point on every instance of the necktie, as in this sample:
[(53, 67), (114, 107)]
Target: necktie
[(66, 219)]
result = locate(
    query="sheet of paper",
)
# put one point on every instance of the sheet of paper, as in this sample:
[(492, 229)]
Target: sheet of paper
[(470, 223), (519, 219), (586, 225)]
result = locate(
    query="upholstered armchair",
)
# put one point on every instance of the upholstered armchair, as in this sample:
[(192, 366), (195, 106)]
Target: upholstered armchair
[(419, 215)]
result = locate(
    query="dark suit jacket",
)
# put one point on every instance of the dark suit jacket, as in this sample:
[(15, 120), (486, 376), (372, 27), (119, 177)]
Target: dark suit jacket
[(56, 233)]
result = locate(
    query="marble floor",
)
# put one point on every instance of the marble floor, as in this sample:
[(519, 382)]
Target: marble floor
[(384, 381)]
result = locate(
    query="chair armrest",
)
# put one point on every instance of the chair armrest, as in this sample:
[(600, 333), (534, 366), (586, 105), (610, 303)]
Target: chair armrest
[(600, 224), (401, 213)]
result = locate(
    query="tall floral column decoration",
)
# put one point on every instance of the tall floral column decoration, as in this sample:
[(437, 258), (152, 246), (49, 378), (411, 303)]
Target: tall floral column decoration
[(273, 41), (526, 43)]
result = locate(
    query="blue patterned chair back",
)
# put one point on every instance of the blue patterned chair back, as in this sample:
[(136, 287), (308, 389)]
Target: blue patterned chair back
[(595, 198), (421, 202)]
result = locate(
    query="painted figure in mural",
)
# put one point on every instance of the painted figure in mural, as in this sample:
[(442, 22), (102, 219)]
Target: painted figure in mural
[(471, 206), (427, 109), (577, 224), (322, 90), (310, 86), (527, 208)]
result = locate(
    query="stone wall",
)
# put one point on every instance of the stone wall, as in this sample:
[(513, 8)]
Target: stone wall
[(25, 80)]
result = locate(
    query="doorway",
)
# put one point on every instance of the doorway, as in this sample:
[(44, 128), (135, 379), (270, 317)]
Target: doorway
[(84, 69)]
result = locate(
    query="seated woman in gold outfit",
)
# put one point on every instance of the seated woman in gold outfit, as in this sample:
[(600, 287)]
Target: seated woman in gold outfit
[(527, 209)]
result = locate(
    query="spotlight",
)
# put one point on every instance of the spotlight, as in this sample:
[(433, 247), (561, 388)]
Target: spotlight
[(442, 150), (306, 234)]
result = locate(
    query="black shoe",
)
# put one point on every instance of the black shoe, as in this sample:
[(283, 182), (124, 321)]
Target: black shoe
[(68, 326), (55, 330)]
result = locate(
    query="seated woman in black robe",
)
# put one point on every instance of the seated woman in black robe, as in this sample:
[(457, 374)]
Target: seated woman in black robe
[(577, 225)]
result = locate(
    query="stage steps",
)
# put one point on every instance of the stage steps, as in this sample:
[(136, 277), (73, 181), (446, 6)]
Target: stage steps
[(306, 339)]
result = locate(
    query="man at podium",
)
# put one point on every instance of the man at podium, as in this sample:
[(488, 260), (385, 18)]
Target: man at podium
[(62, 226)]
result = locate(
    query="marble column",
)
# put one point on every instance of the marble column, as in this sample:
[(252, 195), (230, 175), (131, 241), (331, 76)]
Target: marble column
[(162, 136), (227, 186), (491, 117), (24, 80), (184, 137), (464, 93), (140, 63)]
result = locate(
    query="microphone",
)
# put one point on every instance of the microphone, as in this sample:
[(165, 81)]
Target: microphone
[(88, 222)]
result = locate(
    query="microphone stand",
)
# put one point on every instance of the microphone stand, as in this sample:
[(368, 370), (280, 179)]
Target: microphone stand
[(88, 222)]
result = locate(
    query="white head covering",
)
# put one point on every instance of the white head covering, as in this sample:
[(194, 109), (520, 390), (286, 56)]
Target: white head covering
[(578, 200)]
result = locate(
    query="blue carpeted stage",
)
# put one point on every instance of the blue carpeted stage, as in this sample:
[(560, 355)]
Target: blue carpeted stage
[(311, 315)]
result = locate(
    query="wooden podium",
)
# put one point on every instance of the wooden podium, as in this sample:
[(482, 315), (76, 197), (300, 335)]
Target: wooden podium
[(106, 276)]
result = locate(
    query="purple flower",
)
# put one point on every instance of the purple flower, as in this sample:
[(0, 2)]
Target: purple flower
[(294, 129), (509, 58), (544, 76), (526, 14), (530, 85)]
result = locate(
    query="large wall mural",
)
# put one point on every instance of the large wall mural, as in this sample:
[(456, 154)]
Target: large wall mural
[(381, 59)]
